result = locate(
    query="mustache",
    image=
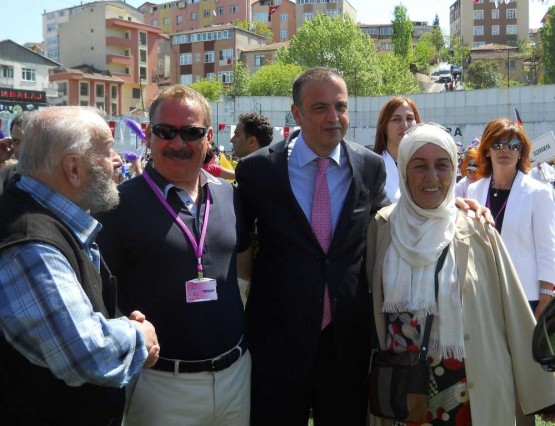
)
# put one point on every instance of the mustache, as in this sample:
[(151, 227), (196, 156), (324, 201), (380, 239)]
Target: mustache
[(183, 154)]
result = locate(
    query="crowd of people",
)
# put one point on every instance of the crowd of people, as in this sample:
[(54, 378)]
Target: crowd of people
[(168, 295)]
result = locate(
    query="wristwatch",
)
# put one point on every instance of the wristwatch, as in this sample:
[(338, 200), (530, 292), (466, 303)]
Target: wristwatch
[(547, 291)]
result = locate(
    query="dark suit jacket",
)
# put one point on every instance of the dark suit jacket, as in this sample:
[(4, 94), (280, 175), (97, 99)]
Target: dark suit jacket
[(284, 308)]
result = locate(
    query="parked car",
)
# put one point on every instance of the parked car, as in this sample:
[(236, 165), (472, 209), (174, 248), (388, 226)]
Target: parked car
[(444, 76)]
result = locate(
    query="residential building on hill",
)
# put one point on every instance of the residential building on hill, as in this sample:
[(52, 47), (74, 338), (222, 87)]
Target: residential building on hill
[(279, 15)]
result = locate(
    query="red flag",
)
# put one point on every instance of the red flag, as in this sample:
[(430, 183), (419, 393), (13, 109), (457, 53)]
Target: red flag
[(518, 121), (475, 1), (221, 127), (286, 132), (270, 11)]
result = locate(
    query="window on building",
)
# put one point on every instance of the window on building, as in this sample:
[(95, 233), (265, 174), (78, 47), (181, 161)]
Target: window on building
[(61, 12), (114, 90), (166, 21), (186, 79), (284, 17), (511, 64), (233, 9), (28, 74), (51, 28), (225, 77), (100, 91), (207, 13), (511, 14), (283, 34), (478, 43), (210, 76), (219, 11), (479, 31), (83, 89), (100, 106), (142, 38), (114, 109), (136, 93), (154, 23), (495, 30), (259, 60), (495, 14), (178, 19), (142, 55), (307, 16), (209, 57), (142, 73), (185, 59), (83, 103), (225, 56), (62, 88), (6, 71), (194, 16), (512, 29), (386, 31), (478, 15), (260, 16), (51, 15), (160, 64)]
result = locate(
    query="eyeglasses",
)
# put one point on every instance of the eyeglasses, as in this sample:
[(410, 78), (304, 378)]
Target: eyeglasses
[(187, 133), (513, 145)]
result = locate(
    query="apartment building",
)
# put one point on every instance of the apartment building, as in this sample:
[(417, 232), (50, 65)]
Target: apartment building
[(382, 33), (210, 52), (258, 56), (279, 15), (111, 36), (490, 22), (24, 84), (87, 86), (307, 9), (184, 15)]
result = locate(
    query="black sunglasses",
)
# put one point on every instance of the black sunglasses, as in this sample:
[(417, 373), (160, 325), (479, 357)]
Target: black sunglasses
[(513, 145), (188, 133)]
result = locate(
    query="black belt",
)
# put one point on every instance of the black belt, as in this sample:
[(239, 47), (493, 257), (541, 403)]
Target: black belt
[(215, 364)]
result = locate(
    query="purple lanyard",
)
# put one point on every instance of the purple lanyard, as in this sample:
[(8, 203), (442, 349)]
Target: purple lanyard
[(196, 247)]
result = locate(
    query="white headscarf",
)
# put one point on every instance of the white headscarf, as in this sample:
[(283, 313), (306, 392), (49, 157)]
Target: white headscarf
[(418, 236)]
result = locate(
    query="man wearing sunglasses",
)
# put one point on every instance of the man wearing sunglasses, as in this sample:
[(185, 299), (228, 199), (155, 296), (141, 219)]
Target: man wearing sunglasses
[(307, 311), (172, 245)]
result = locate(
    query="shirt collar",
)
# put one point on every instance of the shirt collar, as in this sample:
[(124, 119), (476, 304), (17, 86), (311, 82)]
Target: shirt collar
[(304, 154), (81, 223), (164, 185)]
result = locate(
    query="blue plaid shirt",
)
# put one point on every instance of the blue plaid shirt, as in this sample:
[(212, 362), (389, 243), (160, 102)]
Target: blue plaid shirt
[(46, 315)]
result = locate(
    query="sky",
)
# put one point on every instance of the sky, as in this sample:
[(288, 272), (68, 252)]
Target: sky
[(22, 20)]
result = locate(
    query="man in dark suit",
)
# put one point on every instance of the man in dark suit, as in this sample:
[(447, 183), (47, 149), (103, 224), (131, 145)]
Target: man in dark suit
[(308, 311)]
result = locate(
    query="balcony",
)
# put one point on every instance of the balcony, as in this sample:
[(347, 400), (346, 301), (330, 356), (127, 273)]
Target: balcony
[(6, 82), (120, 42), (119, 59)]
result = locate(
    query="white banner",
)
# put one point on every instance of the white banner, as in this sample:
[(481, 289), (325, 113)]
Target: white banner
[(543, 148)]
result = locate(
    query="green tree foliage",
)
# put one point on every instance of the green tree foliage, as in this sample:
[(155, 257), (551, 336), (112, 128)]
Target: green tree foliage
[(402, 32), (274, 80), (424, 53), (210, 89), (241, 80), (482, 75), (256, 27), (396, 76), (438, 39), (547, 37), (456, 54), (336, 42)]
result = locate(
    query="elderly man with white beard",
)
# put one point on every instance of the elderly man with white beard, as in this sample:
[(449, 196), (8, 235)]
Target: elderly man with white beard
[(65, 357)]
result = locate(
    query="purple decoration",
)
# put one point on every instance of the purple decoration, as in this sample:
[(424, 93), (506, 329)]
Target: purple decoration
[(130, 156), (135, 128)]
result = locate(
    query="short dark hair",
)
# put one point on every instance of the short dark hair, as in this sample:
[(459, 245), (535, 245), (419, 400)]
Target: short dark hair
[(259, 126), (17, 121), (312, 74)]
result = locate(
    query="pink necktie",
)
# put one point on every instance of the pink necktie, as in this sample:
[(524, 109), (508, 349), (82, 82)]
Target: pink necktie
[(321, 223)]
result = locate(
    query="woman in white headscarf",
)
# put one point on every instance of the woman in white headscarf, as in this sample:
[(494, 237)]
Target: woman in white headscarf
[(480, 345)]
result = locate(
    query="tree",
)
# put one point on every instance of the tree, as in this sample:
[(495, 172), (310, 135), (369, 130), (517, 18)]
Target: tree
[(424, 53), (547, 37), (482, 75), (210, 89), (402, 32), (241, 80), (396, 76), (256, 27), (438, 39), (336, 42), (274, 80)]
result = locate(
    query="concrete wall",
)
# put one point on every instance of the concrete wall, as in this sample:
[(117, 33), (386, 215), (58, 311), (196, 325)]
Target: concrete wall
[(465, 112)]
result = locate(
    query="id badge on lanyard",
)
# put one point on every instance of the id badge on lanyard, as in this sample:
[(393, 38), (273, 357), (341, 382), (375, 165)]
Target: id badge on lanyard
[(200, 289)]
